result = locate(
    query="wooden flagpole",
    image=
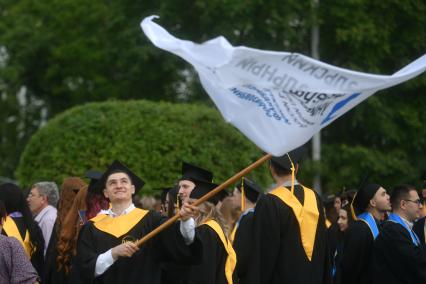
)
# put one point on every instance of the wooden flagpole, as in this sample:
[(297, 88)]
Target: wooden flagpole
[(215, 191)]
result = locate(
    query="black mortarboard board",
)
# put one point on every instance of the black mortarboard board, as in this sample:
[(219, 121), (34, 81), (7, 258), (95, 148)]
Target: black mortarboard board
[(192, 172), (328, 200), (296, 156), (363, 197), (223, 194), (202, 188), (163, 194), (118, 167), (94, 176), (251, 190)]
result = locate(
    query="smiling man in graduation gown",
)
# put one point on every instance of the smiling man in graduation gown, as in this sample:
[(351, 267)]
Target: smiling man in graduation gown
[(370, 206), (106, 251), (289, 233), (398, 256)]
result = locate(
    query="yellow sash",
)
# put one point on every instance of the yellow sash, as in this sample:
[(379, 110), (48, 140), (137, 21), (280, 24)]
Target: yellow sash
[(231, 260), (306, 215), (232, 235), (12, 231), (119, 225)]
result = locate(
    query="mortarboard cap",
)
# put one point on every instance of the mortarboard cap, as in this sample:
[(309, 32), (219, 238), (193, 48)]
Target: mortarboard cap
[(251, 190), (296, 156), (192, 172), (118, 167), (94, 176), (163, 194), (204, 187), (363, 197), (223, 194)]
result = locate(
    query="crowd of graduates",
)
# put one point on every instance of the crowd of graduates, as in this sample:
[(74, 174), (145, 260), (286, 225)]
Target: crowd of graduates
[(88, 233)]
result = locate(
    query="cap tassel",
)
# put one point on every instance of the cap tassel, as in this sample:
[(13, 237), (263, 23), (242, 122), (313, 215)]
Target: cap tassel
[(177, 203), (292, 174), (352, 207), (243, 196)]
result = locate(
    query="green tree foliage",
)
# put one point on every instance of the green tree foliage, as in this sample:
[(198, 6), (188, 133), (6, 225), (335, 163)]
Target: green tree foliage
[(151, 138), (386, 135), (69, 52)]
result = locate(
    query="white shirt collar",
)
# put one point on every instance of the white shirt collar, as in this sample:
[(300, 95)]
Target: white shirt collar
[(43, 212), (409, 224), (109, 212), (288, 183)]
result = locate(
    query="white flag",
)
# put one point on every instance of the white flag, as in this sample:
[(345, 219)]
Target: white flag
[(279, 100)]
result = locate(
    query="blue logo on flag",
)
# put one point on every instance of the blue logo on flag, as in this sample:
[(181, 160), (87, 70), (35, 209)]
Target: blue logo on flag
[(338, 106)]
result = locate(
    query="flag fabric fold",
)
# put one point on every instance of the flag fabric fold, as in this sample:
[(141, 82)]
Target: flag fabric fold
[(279, 100)]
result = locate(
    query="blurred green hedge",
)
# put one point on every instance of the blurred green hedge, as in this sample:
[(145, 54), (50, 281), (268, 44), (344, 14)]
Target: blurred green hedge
[(152, 138)]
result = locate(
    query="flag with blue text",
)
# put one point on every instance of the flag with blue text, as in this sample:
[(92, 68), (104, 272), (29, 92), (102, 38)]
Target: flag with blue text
[(279, 100)]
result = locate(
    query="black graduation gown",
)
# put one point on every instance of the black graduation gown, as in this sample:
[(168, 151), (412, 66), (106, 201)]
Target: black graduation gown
[(334, 244), (337, 260), (242, 245), (278, 255), (396, 259), (357, 254), (144, 266), (37, 258), (50, 259), (54, 274), (212, 268), (419, 229), (172, 273)]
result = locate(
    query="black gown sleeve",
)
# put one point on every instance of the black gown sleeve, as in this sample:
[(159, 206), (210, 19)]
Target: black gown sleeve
[(399, 255), (266, 241), (171, 246), (242, 246), (419, 229), (357, 248), (211, 269), (86, 253)]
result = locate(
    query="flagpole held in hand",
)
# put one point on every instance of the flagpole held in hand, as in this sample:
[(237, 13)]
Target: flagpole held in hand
[(215, 191)]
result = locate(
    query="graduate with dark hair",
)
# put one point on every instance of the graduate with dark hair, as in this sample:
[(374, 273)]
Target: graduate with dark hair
[(191, 174), (246, 194), (399, 257), (179, 193), (15, 266), (106, 248), (289, 233), (20, 225), (369, 206)]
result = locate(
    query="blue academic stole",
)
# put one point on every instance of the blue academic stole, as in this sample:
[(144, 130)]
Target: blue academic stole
[(369, 220), (395, 218)]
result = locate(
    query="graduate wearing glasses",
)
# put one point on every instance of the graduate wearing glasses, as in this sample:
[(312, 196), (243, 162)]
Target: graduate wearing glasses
[(399, 257)]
